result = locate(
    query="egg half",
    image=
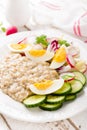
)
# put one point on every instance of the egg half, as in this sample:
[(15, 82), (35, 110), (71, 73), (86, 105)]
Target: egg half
[(47, 87), (59, 58), (15, 47), (39, 55)]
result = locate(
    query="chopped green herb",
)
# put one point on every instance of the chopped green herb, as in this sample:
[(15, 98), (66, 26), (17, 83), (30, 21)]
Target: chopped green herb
[(43, 40), (3, 29), (63, 42)]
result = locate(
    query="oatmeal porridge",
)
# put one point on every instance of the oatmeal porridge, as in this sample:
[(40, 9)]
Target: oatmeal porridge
[(17, 73)]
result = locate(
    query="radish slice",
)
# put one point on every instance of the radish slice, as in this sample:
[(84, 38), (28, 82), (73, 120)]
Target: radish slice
[(67, 76), (52, 39), (53, 46), (70, 60), (64, 69), (74, 51), (24, 39), (81, 66)]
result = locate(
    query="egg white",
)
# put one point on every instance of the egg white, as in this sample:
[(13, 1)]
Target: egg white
[(55, 65), (57, 84), (46, 57), (19, 51)]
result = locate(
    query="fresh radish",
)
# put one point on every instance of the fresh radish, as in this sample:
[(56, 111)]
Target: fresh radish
[(70, 60), (74, 51), (85, 69), (67, 76), (52, 39), (81, 66), (24, 39), (63, 69), (11, 30), (54, 45)]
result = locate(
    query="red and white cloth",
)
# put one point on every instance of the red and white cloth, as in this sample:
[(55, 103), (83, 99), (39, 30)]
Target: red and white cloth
[(68, 15)]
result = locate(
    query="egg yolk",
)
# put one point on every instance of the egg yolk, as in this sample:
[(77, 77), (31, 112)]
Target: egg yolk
[(37, 53), (60, 55), (43, 85), (19, 46)]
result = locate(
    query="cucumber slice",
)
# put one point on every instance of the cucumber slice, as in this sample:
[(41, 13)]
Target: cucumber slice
[(64, 90), (77, 86), (70, 97), (80, 76), (34, 101), (50, 107), (55, 99), (67, 76)]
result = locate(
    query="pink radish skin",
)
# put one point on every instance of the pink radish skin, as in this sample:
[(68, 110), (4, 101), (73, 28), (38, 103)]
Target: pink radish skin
[(74, 51), (11, 30), (52, 39), (68, 74), (64, 69), (85, 70), (70, 60), (22, 40), (69, 80)]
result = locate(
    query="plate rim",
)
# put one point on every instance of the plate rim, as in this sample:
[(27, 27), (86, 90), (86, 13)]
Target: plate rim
[(26, 33)]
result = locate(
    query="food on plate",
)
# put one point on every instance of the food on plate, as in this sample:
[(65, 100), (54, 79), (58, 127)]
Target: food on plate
[(22, 72), (59, 58), (15, 47), (47, 87), (39, 55), (44, 73)]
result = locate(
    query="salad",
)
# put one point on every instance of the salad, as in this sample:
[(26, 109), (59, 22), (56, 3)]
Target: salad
[(63, 57)]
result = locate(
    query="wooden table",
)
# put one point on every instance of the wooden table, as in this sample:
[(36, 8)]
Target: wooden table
[(77, 122)]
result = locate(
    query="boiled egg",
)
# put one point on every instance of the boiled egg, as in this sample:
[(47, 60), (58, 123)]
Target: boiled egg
[(59, 58), (47, 86), (39, 55), (15, 47)]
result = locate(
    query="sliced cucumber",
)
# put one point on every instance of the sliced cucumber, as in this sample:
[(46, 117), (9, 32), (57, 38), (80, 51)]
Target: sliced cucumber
[(55, 99), (70, 97), (50, 107), (80, 76), (64, 90), (34, 101), (67, 76), (77, 86)]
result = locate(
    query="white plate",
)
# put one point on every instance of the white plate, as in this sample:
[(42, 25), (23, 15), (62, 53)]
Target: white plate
[(18, 111)]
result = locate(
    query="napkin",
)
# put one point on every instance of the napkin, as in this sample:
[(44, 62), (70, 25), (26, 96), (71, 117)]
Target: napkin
[(67, 15)]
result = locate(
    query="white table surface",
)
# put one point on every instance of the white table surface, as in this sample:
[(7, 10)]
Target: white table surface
[(78, 122)]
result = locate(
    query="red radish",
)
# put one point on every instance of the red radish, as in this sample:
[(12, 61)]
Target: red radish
[(11, 30), (70, 60), (64, 69), (74, 51), (81, 66), (52, 39), (24, 39), (67, 76), (85, 69), (54, 45)]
